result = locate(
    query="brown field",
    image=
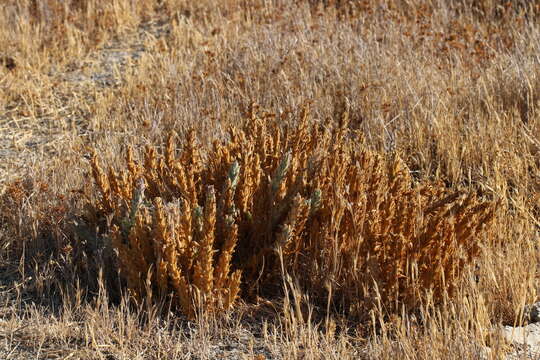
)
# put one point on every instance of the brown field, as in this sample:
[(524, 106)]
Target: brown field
[(268, 179)]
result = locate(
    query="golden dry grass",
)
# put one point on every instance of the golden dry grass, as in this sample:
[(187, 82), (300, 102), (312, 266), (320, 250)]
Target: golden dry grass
[(450, 86)]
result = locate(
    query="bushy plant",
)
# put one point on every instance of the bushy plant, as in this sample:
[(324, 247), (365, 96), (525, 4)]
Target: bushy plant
[(272, 200)]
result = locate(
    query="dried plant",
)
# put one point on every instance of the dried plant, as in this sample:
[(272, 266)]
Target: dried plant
[(158, 232), (338, 213)]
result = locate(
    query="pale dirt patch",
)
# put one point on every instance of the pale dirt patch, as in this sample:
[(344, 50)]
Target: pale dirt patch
[(35, 134)]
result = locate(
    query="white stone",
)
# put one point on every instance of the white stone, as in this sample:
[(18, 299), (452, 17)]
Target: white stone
[(526, 340)]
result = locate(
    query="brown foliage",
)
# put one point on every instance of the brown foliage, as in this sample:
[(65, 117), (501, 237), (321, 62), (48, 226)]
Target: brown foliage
[(276, 200)]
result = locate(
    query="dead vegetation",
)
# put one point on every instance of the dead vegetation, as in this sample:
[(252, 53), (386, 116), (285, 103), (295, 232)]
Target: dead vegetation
[(397, 218), (301, 200)]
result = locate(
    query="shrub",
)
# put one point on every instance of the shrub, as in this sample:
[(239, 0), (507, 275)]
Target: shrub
[(272, 200)]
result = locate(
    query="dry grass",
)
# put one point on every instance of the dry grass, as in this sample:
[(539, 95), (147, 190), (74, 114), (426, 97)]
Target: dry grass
[(450, 86)]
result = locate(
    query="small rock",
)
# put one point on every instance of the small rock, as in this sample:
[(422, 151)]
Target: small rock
[(526, 340), (526, 335), (533, 312)]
